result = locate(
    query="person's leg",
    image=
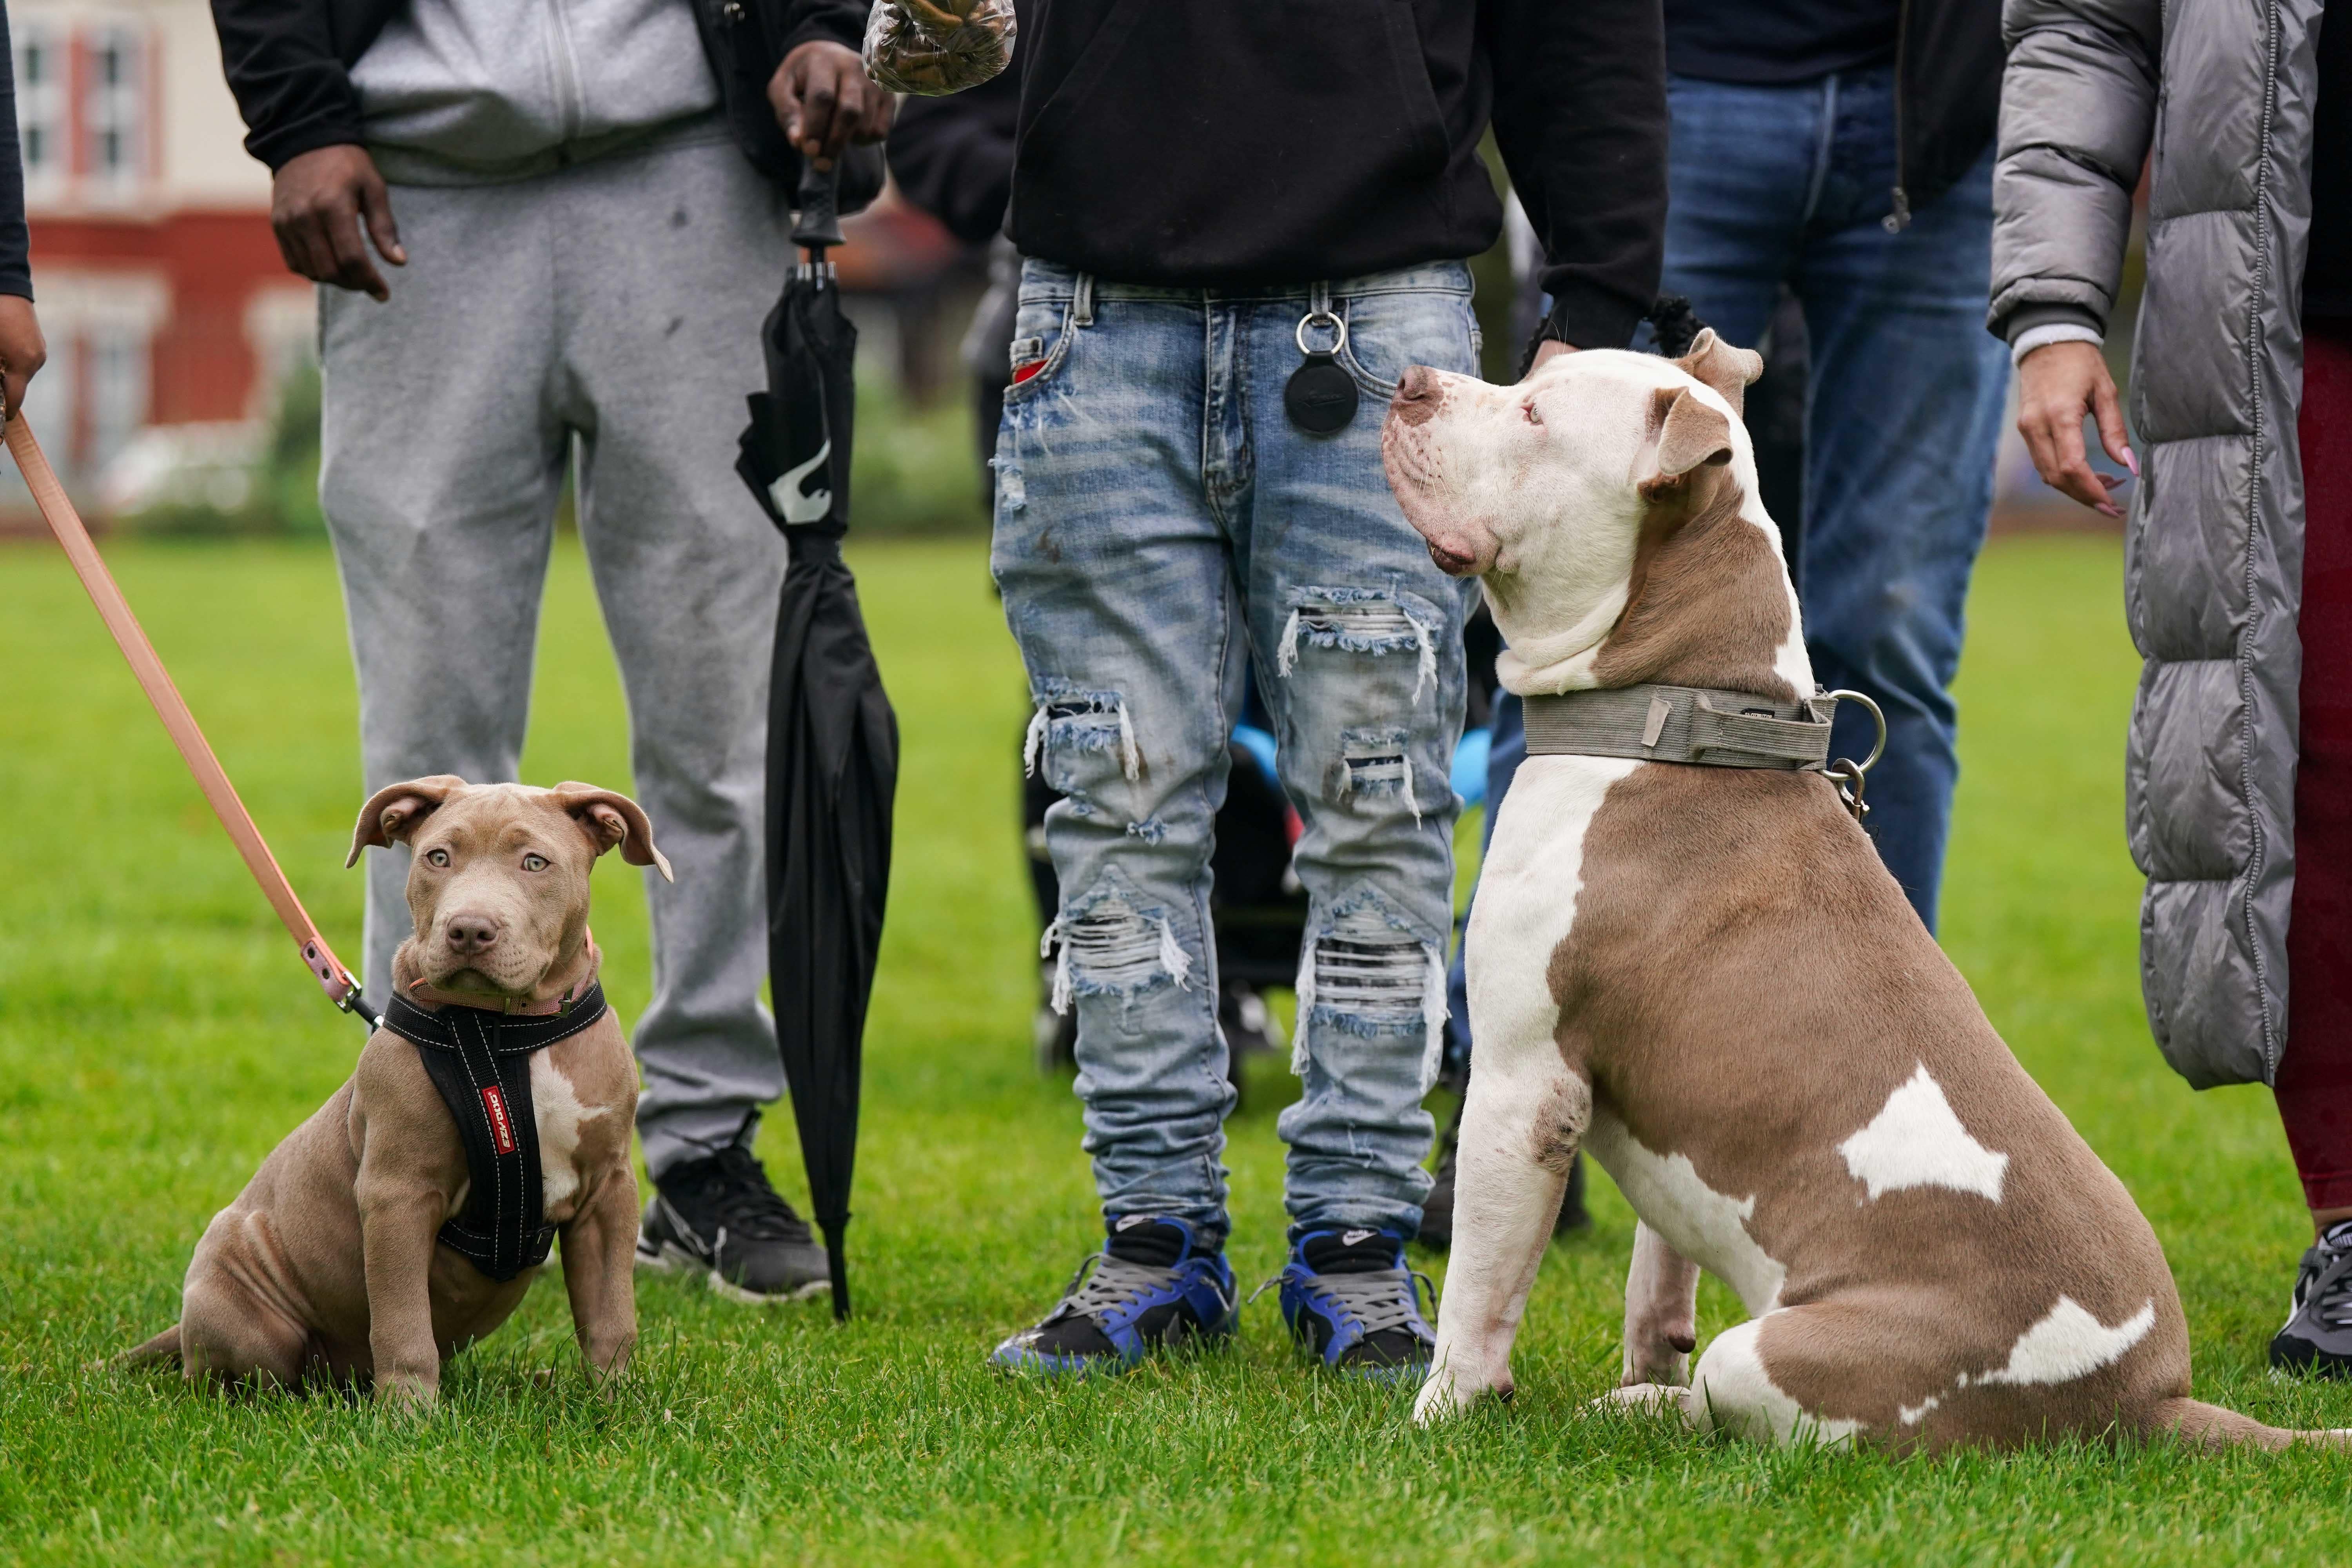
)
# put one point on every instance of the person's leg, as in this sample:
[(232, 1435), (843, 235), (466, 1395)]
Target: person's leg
[(1743, 169), (2315, 1077), (440, 464), (1907, 392), (1356, 638), (1111, 556), (1117, 587), (662, 272)]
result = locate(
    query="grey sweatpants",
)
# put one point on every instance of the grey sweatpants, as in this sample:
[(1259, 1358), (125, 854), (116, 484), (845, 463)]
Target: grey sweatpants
[(615, 304)]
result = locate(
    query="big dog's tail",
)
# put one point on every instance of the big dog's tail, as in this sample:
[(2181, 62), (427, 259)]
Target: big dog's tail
[(2211, 1426), (163, 1349)]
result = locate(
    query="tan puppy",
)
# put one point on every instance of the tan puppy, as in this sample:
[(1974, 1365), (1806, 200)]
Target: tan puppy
[(1703, 977), (327, 1265)]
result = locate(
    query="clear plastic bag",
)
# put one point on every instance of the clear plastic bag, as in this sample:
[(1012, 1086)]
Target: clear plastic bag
[(933, 48)]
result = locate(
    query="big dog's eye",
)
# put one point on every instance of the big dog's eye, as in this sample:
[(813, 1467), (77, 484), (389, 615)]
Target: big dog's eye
[(438, 857), (1529, 409), (534, 863)]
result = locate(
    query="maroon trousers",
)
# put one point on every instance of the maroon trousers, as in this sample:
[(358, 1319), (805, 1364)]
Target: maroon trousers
[(2315, 1077)]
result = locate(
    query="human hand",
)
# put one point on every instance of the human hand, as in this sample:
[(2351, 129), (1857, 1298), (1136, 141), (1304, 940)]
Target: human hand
[(824, 100), (2057, 384), (1551, 348), (23, 351), (317, 204)]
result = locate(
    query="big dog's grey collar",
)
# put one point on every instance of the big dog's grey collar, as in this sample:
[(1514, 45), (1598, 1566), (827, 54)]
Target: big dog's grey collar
[(1712, 727)]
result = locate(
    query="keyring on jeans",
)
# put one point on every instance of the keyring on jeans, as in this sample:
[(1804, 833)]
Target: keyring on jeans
[(1308, 319)]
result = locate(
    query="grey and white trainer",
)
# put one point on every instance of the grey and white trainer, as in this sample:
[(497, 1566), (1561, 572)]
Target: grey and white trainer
[(2317, 1338)]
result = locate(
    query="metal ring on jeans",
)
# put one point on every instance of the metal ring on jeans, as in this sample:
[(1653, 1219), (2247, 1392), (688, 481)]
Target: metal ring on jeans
[(1312, 316)]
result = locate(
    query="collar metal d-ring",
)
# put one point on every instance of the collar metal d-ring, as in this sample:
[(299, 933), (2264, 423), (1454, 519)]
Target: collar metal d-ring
[(1338, 325), (1878, 717), (1849, 773)]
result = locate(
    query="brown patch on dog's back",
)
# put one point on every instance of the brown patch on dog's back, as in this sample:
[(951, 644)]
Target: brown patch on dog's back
[(1708, 602)]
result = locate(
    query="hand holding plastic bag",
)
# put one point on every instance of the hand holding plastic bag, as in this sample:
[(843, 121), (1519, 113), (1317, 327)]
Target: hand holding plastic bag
[(933, 48)]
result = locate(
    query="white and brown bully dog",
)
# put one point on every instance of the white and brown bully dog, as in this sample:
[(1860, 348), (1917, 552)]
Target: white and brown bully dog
[(327, 1264), (1704, 977)]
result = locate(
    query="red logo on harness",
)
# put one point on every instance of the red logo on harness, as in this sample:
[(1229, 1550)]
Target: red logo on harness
[(501, 1124)]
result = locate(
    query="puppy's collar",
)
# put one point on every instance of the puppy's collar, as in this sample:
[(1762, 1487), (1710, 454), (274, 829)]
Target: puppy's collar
[(456, 1025), (1682, 724)]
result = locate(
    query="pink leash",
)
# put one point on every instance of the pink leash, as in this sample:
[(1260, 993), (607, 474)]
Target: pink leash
[(178, 723)]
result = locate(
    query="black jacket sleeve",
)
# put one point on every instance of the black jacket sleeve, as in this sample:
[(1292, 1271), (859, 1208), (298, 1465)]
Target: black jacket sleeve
[(16, 240), (823, 21), (1580, 117), (287, 63), (952, 156)]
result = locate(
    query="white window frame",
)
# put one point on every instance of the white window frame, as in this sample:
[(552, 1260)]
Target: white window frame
[(43, 57), (114, 112)]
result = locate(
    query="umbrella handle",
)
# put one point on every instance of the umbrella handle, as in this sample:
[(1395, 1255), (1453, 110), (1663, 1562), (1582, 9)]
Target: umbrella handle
[(818, 228)]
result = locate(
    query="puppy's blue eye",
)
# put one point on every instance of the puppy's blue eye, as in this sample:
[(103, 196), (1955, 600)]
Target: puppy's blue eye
[(534, 863), (438, 857), (1533, 417)]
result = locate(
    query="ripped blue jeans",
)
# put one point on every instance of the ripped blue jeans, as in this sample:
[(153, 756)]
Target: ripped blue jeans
[(1161, 526)]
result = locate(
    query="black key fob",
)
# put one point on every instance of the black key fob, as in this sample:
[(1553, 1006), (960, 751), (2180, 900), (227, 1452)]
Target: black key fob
[(1320, 396)]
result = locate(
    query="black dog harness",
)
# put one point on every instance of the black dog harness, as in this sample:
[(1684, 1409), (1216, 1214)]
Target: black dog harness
[(480, 1061)]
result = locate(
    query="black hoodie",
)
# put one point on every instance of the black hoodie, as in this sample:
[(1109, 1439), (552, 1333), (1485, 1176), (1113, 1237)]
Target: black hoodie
[(1207, 143)]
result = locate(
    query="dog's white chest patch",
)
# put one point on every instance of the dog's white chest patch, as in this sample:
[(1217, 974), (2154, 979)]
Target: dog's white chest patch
[(1706, 1226), (1527, 892), (2068, 1344), (557, 1111), (1916, 1141)]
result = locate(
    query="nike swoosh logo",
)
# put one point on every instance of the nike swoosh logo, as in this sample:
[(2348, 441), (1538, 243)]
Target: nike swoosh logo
[(786, 491)]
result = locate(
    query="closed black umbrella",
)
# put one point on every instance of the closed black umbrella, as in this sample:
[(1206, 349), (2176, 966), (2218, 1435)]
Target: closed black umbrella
[(833, 740)]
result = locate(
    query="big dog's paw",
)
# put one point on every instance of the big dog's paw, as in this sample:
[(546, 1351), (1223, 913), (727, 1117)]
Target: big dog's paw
[(1651, 1398)]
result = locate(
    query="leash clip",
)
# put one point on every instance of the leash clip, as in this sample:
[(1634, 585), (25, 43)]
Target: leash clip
[(1848, 772)]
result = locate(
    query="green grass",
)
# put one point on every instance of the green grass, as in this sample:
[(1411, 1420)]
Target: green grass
[(157, 1037)]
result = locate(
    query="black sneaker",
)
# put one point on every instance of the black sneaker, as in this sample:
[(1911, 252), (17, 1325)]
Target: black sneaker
[(2317, 1338), (1437, 1209), (1353, 1305), (719, 1216)]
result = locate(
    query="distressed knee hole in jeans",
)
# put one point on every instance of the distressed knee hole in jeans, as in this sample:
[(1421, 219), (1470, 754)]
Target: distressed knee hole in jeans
[(1111, 946), (1071, 722), (1360, 620), (1366, 975), (1373, 766)]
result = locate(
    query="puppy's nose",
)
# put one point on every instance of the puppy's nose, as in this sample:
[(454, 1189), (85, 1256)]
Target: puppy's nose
[(469, 933), (1418, 394)]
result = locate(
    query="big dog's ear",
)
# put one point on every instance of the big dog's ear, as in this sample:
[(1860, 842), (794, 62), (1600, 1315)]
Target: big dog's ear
[(610, 819), (1730, 370), (1692, 434), (394, 812)]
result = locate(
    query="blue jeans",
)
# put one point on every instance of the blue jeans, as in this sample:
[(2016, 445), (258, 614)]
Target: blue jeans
[(1770, 185), (1160, 525)]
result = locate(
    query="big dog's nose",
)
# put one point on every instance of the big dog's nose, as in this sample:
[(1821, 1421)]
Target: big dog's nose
[(469, 933), (1418, 394)]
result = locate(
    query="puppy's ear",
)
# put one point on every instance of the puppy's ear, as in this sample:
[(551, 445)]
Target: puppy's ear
[(1692, 434), (394, 812), (611, 818), (1730, 370)]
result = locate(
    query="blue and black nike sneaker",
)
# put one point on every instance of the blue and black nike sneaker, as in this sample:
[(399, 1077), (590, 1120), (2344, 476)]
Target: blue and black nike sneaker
[(1352, 1303), (1150, 1288)]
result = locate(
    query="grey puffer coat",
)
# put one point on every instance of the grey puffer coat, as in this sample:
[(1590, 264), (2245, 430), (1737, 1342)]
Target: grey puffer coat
[(2213, 566)]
